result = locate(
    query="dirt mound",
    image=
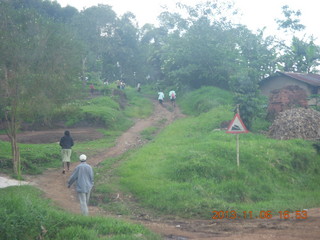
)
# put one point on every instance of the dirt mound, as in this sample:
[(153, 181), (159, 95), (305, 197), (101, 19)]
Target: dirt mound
[(296, 123)]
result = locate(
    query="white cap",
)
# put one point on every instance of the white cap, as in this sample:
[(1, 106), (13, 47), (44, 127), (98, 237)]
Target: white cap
[(83, 157)]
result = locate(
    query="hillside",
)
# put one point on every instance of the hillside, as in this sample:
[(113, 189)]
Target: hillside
[(195, 160)]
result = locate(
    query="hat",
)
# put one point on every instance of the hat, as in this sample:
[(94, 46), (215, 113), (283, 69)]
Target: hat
[(83, 158)]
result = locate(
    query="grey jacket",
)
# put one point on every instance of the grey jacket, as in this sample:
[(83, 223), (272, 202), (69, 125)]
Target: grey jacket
[(83, 174)]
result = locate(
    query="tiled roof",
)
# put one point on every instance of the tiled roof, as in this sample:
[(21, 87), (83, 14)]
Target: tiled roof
[(309, 78)]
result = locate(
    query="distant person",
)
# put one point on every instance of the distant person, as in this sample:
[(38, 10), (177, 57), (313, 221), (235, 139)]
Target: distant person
[(105, 87), (172, 96), (66, 143), (118, 83), (83, 175), (139, 87), (123, 85), (91, 89), (160, 97)]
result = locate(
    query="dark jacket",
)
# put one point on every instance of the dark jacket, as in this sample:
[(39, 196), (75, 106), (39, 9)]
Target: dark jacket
[(66, 142)]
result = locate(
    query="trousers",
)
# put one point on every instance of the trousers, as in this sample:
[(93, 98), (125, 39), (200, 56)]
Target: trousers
[(84, 200)]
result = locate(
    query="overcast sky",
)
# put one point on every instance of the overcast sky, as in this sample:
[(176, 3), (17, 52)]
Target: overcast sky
[(255, 13)]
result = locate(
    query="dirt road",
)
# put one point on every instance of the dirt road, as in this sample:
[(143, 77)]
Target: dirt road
[(53, 183)]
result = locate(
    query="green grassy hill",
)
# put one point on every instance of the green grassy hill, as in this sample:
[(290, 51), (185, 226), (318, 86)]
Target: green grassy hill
[(190, 168)]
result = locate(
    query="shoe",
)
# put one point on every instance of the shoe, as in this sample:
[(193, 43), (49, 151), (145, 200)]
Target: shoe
[(64, 171)]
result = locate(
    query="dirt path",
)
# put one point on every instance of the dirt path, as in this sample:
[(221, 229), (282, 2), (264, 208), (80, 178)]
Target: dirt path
[(53, 183)]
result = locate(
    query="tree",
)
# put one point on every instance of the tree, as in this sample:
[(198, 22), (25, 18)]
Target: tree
[(39, 63), (123, 49), (301, 56), (291, 21), (199, 49), (151, 43), (247, 96), (255, 53)]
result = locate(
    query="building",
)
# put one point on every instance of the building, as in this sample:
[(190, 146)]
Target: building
[(287, 90)]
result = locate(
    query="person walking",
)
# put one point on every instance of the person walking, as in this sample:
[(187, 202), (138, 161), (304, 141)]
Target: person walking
[(160, 97), (91, 89), (83, 175), (66, 143), (172, 96)]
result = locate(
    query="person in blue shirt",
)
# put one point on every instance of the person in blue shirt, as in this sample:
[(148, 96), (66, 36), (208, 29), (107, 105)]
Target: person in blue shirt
[(83, 176)]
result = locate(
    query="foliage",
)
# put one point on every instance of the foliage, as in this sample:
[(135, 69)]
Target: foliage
[(112, 46), (260, 124), (302, 56), (38, 65), (246, 96), (291, 21), (202, 48), (206, 64), (25, 215)]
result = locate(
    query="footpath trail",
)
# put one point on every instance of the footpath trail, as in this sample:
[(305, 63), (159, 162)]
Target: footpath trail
[(53, 184)]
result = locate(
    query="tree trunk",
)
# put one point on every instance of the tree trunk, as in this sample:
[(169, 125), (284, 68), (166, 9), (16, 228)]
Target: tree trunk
[(12, 134), (15, 156), (11, 122), (11, 130), (84, 79)]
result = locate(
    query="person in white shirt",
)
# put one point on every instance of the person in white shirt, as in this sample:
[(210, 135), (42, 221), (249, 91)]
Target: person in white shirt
[(172, 96), (160, 97)]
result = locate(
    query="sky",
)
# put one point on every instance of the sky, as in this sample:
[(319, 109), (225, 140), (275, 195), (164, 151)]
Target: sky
[(255, 14)]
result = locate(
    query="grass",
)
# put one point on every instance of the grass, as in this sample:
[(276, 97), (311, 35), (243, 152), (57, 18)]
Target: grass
[(204, 99), (138, 105), (104, 111), (34, 157), (190, 170), (24, 214), (149, 133), (195, 171)]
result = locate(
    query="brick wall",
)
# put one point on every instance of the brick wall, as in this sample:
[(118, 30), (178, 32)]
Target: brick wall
[(286, 98)]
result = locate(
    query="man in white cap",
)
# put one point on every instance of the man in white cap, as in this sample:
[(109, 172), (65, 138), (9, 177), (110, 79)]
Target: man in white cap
[(83, 174)]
